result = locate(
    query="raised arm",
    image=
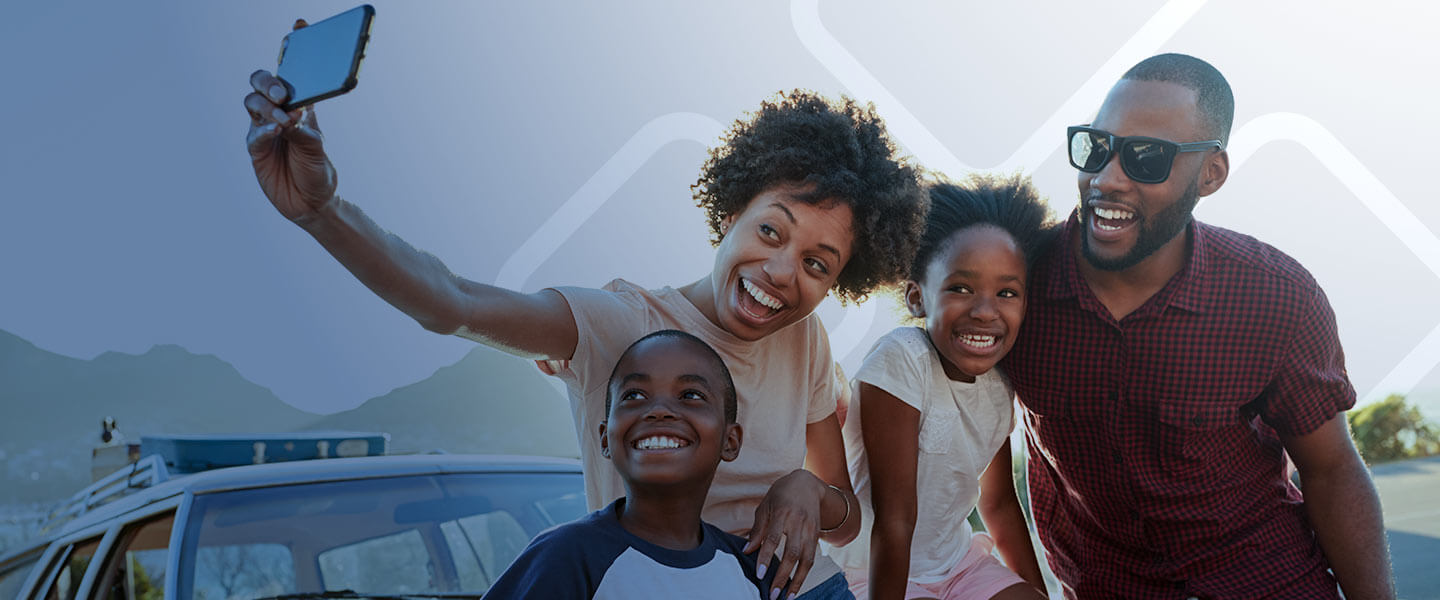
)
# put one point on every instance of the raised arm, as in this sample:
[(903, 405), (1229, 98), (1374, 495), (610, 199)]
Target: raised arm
[(891, 430), (288, 154)]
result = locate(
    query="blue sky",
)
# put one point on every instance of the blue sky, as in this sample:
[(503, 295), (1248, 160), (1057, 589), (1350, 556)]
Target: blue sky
[(130, 216)]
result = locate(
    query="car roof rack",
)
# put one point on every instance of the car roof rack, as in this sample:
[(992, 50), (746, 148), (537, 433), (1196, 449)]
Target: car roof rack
[(192, 453), (141, 474)]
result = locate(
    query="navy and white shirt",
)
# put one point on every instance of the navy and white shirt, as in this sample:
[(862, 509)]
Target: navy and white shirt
[(594, 557)]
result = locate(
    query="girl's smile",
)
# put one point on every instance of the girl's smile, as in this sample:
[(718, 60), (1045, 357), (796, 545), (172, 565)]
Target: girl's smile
[(972, 298)]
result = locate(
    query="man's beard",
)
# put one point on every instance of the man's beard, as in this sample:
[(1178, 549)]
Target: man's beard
[(1154, 232)]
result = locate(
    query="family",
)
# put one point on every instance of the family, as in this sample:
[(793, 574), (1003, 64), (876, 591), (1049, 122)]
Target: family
[(1174, 377)]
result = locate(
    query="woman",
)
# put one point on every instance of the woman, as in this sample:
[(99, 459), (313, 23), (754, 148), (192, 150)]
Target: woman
[(806, 196)]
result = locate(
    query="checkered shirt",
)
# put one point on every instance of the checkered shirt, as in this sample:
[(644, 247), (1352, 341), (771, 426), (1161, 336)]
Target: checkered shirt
[(1156, 470)]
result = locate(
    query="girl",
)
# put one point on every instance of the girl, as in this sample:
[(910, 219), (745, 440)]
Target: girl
[(928, 434)]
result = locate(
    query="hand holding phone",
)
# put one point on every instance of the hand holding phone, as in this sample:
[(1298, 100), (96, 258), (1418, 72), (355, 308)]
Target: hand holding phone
[(322, 60), (286, 147)]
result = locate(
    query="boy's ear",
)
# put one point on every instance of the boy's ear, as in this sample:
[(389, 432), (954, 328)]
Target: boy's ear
[(913, 300), (726, 223), (730, 450), (604, 442)]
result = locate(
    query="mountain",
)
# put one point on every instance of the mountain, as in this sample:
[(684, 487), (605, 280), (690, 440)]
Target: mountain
[(489, 402), (51, 407)]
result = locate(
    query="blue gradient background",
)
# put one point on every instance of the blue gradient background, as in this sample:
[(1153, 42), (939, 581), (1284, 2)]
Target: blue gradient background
[(129, 215)]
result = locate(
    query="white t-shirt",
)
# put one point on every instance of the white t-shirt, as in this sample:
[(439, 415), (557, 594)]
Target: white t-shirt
[(783, 382), (962, 426)]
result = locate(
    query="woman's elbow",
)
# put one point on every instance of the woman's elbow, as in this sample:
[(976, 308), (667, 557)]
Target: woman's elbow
[(445, 314), (436, 321)]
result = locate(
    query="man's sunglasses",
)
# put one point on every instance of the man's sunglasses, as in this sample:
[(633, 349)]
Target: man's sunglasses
[(1144, 159)]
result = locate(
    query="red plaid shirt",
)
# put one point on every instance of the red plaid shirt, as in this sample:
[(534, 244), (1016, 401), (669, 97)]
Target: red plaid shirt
[(1155, 467)]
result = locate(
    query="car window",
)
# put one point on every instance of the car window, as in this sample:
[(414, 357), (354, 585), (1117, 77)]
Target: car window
[(14, 577), (135, 569), (65, 580), (483, 545), (243, 571), (398, 563), (424, 534)]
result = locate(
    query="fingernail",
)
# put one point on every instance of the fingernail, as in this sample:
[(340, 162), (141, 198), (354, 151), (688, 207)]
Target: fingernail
[(774, 594), (760, 572), (281, 117), (277, 93)]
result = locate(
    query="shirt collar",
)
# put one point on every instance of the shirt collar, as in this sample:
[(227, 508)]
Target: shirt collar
[(1184, 291), (1187, 288), (1061, 278)]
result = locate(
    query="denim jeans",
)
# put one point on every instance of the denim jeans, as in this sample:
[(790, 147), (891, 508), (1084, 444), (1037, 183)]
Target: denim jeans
[(834, 588)]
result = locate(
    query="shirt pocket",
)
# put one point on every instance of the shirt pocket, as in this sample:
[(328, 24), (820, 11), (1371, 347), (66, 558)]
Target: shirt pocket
[(937, 430), (1198, 435)]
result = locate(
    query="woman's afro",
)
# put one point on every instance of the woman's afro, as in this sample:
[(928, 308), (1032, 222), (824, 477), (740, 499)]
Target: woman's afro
[(839, 149)]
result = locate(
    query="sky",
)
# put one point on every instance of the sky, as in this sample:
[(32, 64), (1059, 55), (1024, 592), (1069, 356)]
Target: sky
[(539, 144)]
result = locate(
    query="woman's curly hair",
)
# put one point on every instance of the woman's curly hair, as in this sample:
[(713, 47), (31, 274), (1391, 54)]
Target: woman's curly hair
[(842, 150)]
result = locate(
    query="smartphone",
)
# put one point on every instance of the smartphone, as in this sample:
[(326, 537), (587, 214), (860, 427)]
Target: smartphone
[(322, 60)]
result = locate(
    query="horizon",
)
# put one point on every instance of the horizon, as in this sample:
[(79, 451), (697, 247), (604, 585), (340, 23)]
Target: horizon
[(1427, 400)]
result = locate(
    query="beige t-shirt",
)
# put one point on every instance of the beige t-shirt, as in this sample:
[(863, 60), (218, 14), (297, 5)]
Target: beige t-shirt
[(783, 382), (962, 426)]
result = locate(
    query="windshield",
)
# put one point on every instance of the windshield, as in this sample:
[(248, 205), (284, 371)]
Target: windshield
[(420, 535)]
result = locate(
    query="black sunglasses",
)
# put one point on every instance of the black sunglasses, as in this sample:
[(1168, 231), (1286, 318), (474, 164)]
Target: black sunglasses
[(1144, 159)]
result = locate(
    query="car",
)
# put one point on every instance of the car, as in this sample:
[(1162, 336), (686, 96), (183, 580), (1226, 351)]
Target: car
[(435, 525)]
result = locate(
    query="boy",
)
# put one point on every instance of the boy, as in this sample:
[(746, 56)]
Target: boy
[(670, 408)]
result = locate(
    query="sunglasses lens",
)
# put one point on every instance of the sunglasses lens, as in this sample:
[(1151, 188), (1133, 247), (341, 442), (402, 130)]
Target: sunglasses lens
[(1146, 161), (1089, 151)]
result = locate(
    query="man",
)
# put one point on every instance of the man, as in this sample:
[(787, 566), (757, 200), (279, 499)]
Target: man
[(1167, 367)]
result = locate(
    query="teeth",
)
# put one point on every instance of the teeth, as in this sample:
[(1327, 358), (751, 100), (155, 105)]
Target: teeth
[(660, 442), (1114, 214), (978, 341), (760, 296)]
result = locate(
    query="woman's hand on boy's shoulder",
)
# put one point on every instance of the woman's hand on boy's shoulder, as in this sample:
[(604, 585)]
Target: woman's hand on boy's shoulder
[(790, 512)]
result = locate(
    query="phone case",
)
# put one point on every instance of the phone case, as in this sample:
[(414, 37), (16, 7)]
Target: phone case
[(322, 60)]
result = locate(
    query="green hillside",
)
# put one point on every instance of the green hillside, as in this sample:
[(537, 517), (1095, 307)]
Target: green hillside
[(51, 407), (488, 403)]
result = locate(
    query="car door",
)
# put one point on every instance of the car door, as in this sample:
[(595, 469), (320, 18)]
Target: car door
[(134, 568), (66, 571)]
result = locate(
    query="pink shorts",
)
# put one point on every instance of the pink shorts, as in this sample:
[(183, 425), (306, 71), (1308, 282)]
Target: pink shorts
[(978, 576)]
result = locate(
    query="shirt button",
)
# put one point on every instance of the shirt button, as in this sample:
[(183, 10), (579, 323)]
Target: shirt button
[(1197, 421), (1119, 460), (1134, 515)]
